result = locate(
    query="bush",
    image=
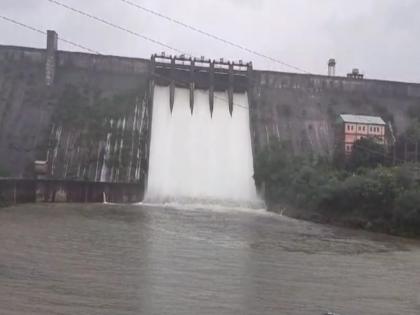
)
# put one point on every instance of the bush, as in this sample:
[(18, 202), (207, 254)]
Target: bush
[(366, 153), (407, 212), (370, 195), (386, 197)]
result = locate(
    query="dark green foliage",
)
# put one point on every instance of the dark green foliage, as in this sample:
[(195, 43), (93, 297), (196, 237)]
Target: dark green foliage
[(366, 153), (408, 144), (370, 194), (287, 177), (385, 198), (407, 212)]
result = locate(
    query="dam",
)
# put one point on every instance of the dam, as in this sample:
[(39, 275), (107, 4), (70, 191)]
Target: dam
[(90, 117), (179, 131)]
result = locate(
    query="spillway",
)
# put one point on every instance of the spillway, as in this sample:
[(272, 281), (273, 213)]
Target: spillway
[(199, 158)]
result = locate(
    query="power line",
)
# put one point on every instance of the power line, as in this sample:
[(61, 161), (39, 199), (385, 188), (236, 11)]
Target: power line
[(101, 20), (106, 22), (181, 82), (213, 36), (44, 33), (22, 24), (77, 45), (162, 44)]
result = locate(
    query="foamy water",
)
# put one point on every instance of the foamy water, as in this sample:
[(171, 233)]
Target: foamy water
[(199, 159)]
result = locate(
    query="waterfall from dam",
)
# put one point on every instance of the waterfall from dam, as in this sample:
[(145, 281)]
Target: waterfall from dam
[(198, 158)]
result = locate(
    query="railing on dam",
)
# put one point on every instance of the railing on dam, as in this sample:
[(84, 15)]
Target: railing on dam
[(201, 73), (13, 191)]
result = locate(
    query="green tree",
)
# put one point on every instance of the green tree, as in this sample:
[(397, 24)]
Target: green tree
[(366, 153), (273, 169), (407, 212)]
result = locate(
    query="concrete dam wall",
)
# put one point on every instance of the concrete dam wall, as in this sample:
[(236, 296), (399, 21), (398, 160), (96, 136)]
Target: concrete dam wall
[(91, 123), (90, 115), (300, 110)]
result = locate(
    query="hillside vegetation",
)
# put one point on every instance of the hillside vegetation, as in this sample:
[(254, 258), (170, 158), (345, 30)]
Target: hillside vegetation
[(364, 192)]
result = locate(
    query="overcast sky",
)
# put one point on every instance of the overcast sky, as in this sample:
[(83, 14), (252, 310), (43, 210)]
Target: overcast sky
[(381, 37)]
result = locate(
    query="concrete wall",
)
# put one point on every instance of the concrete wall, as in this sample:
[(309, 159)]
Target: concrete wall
[(301, 110), (25, 107), (17, 191), (93, 121), (14, 191)]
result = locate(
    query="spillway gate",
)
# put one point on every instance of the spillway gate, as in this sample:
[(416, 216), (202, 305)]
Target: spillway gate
[(201, 73)]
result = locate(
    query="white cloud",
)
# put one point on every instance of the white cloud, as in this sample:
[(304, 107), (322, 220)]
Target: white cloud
[(378, 36)]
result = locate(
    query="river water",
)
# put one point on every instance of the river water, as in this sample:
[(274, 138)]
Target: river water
[(108, 259)]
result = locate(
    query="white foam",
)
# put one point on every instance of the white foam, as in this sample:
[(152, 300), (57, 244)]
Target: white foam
[(199, 160), (213, 207)]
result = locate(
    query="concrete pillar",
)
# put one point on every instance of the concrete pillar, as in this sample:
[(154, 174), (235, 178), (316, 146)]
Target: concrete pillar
[(331, 67), (51, 57), (153, 65), (151, 90), (250, 77), (172, 85), (211, 88), (192, 86), (231, 88)]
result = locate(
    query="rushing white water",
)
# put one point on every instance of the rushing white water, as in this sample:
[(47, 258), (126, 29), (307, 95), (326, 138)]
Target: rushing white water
[(199, 159)]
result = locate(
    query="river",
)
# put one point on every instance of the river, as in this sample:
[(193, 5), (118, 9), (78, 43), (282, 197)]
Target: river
[(113, 259)]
